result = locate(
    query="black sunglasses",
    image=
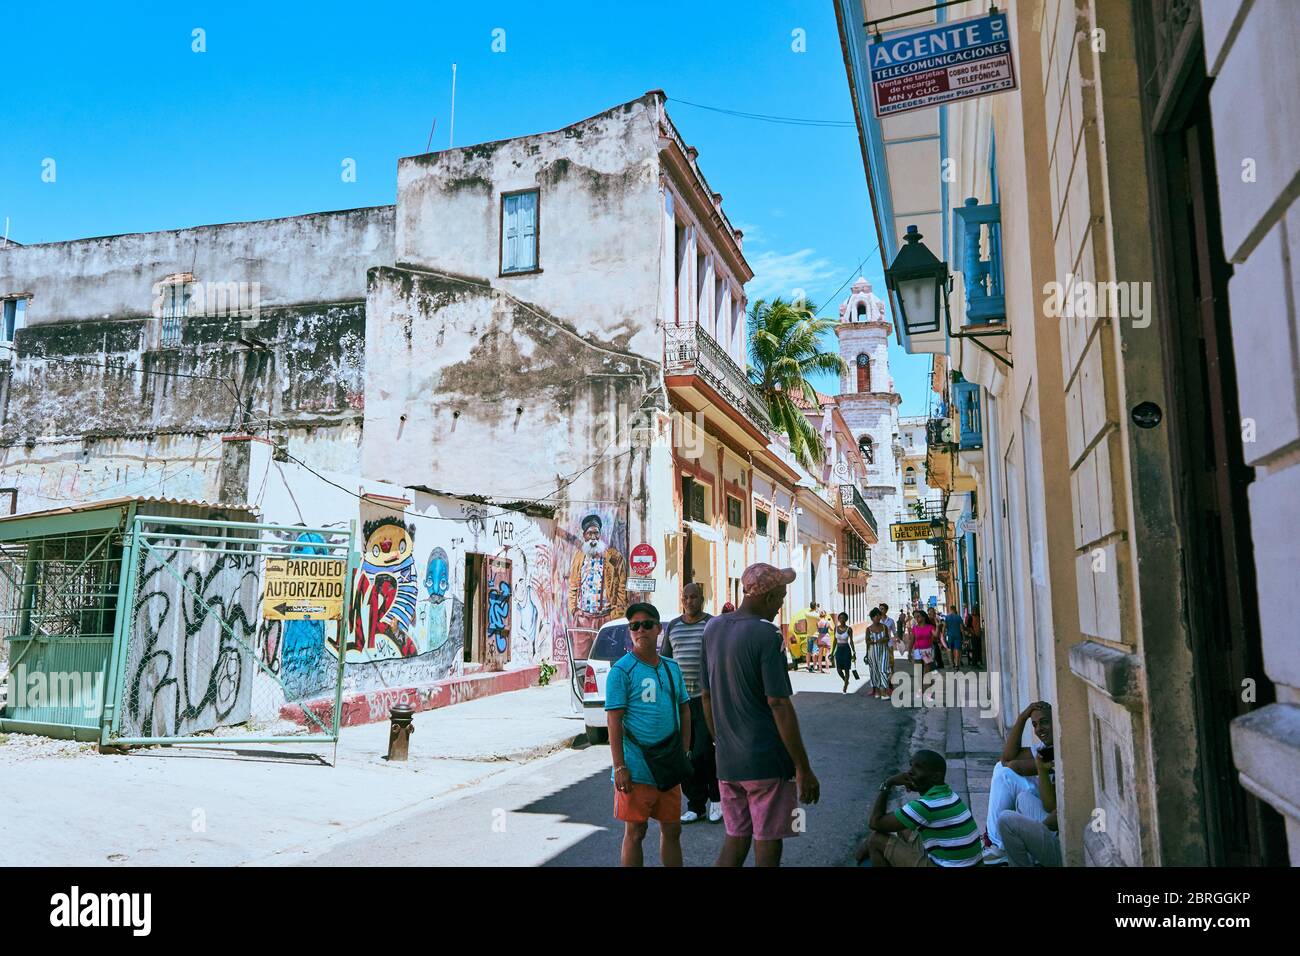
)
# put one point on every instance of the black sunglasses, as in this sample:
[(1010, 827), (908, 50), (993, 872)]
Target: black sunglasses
[(641, 625)]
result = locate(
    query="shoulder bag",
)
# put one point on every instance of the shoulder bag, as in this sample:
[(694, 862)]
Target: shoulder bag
[(668, 762)]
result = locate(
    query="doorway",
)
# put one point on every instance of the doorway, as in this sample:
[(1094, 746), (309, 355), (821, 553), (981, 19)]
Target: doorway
[(473, 641), (1211, 474)]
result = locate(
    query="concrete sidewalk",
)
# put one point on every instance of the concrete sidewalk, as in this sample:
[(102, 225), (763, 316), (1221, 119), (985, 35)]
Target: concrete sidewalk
[(230, 804)]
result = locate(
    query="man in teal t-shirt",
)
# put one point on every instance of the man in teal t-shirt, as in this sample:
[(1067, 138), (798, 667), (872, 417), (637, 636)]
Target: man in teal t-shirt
[(646, 696)]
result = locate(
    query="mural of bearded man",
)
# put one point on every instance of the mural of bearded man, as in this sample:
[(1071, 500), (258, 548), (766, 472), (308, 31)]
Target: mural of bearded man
[(597, 579)]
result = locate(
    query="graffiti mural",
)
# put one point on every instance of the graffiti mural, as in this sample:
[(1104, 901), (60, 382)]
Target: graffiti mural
[(433, 616), (305, 669), (588, 574), (386, 592), (497, 589), (189, 663), (597, 581), (531, 638)]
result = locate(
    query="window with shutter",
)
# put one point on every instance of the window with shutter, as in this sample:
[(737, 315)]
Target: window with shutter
[(519, 232)]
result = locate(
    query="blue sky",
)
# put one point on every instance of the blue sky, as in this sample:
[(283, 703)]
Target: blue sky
[(147, 134)]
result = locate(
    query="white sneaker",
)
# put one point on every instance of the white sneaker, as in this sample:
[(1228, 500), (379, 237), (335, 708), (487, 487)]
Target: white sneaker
[(690, 816), (715, 812), (995, 856)]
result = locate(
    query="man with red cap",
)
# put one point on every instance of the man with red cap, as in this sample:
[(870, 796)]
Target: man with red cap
[(763, 769)]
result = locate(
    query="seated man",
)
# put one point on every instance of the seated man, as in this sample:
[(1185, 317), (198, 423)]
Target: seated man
[(1015, 778), (936, 829), (1030, 842)]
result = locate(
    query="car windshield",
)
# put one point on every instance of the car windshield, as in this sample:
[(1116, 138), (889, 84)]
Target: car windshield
[(611, 643)]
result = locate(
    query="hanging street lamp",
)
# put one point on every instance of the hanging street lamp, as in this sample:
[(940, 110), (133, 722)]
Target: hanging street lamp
[(920, 280)]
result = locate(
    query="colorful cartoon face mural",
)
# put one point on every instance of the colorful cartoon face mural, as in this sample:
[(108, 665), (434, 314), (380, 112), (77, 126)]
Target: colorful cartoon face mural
[(436, 579), (383, 608)]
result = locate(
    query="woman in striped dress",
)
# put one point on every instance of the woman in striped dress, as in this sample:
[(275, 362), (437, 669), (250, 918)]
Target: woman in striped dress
[(878, 654)]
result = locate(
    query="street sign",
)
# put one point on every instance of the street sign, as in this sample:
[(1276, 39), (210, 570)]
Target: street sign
[(917, 531), (640, 584), (919, 67), (303, 589), (911, 531), (643, 560)]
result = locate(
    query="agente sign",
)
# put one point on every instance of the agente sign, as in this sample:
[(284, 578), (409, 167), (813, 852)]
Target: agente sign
[(925, 66)]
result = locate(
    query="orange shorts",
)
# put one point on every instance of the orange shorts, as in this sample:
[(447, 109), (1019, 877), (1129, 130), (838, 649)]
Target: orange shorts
[(647, 802)]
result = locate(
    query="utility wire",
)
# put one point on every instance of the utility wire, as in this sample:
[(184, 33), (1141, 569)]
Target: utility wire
[(855, 272), (769, 118)]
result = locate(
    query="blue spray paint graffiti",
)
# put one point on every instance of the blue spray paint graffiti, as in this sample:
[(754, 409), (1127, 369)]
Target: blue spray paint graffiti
[(304, 667)]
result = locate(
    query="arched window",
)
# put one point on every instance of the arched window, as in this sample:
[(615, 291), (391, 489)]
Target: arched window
[(868, 449), (909, 476), (864, 372), (862, 312)]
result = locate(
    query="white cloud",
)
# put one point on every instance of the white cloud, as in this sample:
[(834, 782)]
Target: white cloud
[(779, 274)]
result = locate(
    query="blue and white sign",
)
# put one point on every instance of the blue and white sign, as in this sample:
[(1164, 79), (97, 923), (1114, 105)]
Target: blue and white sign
[(918, 67)]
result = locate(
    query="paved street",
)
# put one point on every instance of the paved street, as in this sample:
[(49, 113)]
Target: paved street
[(558, 811)]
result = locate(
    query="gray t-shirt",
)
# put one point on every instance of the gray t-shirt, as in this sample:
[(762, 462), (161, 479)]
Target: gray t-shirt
[(742, 665), (682, 641)]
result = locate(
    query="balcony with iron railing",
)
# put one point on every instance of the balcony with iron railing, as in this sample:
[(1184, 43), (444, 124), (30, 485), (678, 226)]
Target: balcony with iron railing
[(966, 395), (690, 350), (850, 497)]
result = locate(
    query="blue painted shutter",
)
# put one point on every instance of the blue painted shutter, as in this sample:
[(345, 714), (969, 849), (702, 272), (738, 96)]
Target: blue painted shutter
[(520, 240)]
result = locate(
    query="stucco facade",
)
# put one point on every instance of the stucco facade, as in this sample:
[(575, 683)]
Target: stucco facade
[(1129, 507)]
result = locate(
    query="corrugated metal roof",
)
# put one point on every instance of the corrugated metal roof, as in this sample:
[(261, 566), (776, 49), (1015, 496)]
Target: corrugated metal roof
[(129, 499)]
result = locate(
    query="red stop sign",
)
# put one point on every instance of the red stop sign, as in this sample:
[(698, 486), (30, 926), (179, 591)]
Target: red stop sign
[(643, 560)]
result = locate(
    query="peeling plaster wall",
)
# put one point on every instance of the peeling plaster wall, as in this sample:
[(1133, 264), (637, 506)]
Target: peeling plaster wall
[(92, 405), (321, 257), (472, 392), (88, 412), (600, 221)]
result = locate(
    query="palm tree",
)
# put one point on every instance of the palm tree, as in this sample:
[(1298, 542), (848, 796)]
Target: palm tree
[(784, 349)]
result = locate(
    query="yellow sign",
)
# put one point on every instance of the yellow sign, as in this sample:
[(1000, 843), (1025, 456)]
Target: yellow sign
[(304, 589), (912, 531)]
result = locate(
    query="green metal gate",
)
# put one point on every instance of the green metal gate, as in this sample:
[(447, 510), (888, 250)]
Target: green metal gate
[(195, 657), (58, 598)]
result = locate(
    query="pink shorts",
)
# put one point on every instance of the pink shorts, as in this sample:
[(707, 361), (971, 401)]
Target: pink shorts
[(762, 809)]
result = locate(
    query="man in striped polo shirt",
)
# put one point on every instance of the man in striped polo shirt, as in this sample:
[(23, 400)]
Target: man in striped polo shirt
[(936, 829), (683, 638)]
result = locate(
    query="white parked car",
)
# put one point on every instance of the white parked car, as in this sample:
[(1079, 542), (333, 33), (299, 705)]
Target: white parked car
[(611, 643)]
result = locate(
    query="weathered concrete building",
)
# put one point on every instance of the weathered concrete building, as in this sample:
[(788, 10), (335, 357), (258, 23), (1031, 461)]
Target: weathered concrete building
[(530, 363)]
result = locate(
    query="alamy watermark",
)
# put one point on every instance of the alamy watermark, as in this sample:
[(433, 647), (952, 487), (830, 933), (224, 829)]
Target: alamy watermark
[(946, 688), (207, 299), (1083, 298), (71, 690)]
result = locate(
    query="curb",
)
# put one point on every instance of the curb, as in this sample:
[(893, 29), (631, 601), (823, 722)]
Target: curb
[(372, 706)]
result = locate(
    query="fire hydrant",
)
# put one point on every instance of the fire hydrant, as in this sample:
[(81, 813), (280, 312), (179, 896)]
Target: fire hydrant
[(401, 726)]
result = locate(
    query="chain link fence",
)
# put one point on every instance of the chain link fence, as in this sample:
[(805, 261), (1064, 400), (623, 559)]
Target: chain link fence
[(208, 653)]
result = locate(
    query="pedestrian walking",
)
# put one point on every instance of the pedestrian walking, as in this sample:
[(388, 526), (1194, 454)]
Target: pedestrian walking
[(763, 768), (895, 639), (878, 654), (922, 643), (975, 637), (823, 639), (683, 640), (953, 626), (846, 655), (649, 739)]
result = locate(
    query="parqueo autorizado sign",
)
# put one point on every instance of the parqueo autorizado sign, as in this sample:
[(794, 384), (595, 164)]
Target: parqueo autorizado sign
[(303, 589), (925, 66)]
